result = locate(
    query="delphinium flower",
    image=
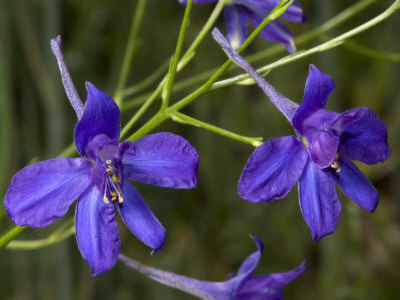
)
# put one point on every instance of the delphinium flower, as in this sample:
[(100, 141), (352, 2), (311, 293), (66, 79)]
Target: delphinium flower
[(242, 286), (237, 12), (43, 192), (320, 154)]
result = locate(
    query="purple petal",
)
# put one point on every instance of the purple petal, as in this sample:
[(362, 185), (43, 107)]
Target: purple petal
[(272, 170), (43, 192), (366, 139), (319, 201), (293, 14), (162, 159), (268, 287), (285, 106), (274, 32), (249, 265), (184, 2), (139, 218), (322, 143), (97, 231), (236, 23), (316, 93), (356, 186), (101, 116)]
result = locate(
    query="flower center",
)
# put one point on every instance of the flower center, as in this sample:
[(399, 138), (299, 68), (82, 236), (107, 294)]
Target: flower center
[(112, 184)]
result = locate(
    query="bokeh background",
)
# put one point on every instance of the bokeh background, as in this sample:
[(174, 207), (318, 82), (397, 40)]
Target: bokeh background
[(207, 228)]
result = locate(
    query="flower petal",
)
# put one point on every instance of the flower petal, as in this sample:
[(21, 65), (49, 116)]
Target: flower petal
[(139, 218), (274, 32), (356, 186), (101, 116), (43, 192), (272, 170), (268, 287), (366, 139), (162, 159), (319, 201), (293, 14), (97, 231), (316, 93), (236, 23)]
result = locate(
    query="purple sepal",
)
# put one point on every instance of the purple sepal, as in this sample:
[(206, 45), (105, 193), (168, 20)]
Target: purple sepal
[(318, 88), (42, 192), (319, 201), (97, 231), (269, 287), (356, 186), (272, 170), (274, 32), (69, 87), (139, 218), (101, 116), (285, 106), (236, 23), (366, 139), (162, 159)]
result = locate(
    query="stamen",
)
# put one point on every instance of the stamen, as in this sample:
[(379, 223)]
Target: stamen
[(108, 162), (120, 199), (115, 178), (105, 199)]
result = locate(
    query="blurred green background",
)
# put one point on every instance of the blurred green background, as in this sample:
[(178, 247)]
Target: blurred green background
[(207, 228)]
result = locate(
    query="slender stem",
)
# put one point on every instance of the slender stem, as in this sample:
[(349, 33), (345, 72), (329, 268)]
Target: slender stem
[(175, 59), (204, 31), (10, 235), (184, 119), (142, 109), (373, 53), (128, 57), (147, 81), (320, 48), (345, 15), (149, 99), (164, 115), (65, 231)]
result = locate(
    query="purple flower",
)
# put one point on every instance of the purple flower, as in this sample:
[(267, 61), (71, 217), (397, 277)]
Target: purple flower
[(242, 286), (238, 11), (43, 192), (319, 156)]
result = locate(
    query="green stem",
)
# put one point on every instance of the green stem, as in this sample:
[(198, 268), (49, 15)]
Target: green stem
[(204, 31), (184, 119), (377, 54), (339, 19), (142, 109), (320, 48), (128, 57), (10, 235), (175, 59), (65, 231), (164, 114), (147, 81)]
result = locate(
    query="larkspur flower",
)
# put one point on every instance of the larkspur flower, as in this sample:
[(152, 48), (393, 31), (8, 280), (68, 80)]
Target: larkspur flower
[(320, 154), (43, 192), (242, 286), (237, 12)]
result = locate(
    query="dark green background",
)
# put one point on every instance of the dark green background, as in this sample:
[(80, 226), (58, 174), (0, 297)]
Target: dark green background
[(207, 228)]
